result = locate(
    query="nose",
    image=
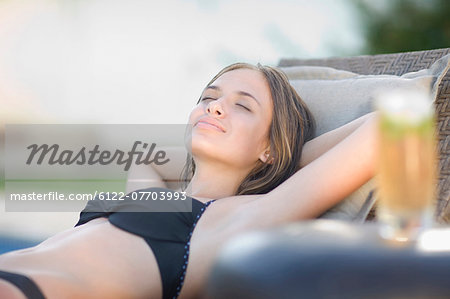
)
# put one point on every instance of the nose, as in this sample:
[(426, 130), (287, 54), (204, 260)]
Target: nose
[(215, 108)]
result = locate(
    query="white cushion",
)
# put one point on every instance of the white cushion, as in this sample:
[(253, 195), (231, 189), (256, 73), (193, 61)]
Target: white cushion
[(336, 97)]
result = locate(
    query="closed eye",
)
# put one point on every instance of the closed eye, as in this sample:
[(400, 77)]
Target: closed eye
[(206, 98), (243, 107)]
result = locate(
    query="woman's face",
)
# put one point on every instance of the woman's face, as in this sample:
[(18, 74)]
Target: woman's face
[(231, 122)]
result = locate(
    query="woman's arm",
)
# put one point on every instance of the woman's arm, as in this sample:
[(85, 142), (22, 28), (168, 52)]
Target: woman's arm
[(321, 144), (325, 180)]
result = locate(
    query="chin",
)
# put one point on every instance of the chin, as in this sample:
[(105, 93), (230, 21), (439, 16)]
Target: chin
[(201, 147), (205, 149)]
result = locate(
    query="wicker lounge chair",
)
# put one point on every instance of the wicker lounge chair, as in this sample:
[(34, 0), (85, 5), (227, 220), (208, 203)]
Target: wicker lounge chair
[(399, 64)]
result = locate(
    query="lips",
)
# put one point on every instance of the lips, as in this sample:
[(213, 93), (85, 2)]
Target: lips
[(210, 122)]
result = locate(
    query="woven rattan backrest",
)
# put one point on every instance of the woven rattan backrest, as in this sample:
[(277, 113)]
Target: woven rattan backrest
[(399, 64)]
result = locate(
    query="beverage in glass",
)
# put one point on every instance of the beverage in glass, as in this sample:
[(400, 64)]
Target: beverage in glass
[(407, 164)]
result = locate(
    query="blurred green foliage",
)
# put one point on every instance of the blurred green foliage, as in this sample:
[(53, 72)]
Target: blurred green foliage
[(404, 25)]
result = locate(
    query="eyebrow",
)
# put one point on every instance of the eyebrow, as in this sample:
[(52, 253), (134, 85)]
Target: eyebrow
[(242, 93)]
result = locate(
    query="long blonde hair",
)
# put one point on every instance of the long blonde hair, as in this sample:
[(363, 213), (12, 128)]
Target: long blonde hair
[(291, 126)]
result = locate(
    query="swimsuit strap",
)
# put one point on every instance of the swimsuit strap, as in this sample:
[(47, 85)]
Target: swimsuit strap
[(210, 202), (28, 287), (186, 248)]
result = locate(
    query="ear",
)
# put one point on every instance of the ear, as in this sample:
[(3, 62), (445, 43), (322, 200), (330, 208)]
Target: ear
[(264, 157)]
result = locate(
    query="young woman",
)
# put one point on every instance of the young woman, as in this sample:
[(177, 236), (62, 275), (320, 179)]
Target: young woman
[(251, 166)]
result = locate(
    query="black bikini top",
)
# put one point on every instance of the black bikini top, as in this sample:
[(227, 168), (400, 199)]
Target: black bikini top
[(167, 233)]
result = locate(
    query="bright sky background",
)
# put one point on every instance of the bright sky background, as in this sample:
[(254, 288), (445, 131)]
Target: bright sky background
[(135, 61), (143, 61)]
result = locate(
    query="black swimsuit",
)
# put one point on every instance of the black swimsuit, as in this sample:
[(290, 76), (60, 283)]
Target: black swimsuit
[(167, 233), (28, 287)]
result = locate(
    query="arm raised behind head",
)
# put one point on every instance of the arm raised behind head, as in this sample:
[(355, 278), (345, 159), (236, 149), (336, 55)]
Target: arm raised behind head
[(335, 165), (321, 144)]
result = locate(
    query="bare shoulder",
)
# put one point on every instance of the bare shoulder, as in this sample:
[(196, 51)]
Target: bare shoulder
[(231, 215), (228, 206)]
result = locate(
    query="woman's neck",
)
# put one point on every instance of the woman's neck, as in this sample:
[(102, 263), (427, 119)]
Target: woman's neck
[(215, 181)]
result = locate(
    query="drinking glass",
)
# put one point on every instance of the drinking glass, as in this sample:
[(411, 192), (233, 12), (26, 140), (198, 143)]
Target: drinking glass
[(407, 164)]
